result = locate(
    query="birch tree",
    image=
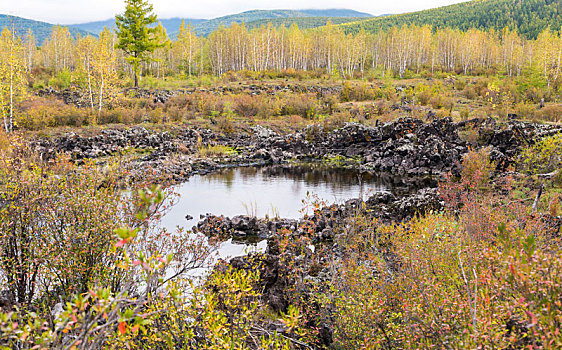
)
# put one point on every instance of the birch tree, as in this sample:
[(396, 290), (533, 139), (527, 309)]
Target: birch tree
[(104, 67), (13, 79), (188, 45)]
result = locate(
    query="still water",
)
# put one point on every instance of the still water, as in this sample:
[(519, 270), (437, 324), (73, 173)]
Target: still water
[(277, 190)]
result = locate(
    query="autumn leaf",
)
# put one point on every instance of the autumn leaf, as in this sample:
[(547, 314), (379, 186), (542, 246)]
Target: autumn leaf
[(121, 243), (122, 327)]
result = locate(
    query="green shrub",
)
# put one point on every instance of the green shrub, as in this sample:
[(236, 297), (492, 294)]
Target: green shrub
[(62, 80), (216, 150), (544, 156)]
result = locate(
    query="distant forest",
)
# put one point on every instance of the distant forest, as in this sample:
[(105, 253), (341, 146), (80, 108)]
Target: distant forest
[(527, 17)]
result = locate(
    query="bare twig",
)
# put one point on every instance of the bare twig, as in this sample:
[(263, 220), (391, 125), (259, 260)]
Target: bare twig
[(546, 176), (298, 342), (468, 291), (537, 198)]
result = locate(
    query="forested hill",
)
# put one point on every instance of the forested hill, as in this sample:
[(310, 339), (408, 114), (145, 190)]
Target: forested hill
[(334, 13), (171, 24), (206, 28), (303, 22), (41, 30), (304, 18), (528, 17)]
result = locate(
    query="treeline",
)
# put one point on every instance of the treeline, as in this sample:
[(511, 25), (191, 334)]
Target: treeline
[(528, 17), (303, 22), (400, 51)]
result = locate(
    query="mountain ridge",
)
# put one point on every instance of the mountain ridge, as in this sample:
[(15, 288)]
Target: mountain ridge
[(318, 17), (41, 30), (303, 22), (528, 17), (205, 27)]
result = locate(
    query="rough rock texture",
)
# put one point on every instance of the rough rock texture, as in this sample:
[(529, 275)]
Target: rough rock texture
[(407, 146), (109, 141), (69, 97), (321, 224), (7, 300), (506, 141), (242, 226), (80, 98), (404, 147), (157, 96)]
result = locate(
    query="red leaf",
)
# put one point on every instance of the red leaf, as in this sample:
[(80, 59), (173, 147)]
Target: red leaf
[(122, 327), (120, 243)]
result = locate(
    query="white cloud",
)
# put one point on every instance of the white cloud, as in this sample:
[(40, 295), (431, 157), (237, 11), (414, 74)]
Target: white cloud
[(77, 11)]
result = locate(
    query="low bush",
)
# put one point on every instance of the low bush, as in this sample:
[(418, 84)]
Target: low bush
[(252, 106), (336, 120), (551, 113), (39, 113), (436, 280), (359, 92), (436, 101), (470, 135), (424, 96), (216, 151), (459, 84), (525, 110), (476, 167), (469, 92), (304, 105), (544, 156)]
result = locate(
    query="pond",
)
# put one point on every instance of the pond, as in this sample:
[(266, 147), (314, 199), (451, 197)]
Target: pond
[(277, 190)]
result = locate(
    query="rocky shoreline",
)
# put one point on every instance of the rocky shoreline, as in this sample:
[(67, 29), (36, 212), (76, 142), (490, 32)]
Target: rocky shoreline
[(406, 147)]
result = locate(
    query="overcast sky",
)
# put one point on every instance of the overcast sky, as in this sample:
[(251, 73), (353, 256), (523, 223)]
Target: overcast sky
[(78, 11)]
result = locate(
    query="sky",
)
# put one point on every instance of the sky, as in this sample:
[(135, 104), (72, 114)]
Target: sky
[(79, 11)]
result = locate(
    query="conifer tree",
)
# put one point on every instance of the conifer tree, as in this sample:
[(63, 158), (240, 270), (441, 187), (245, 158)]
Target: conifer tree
[(136, 33)]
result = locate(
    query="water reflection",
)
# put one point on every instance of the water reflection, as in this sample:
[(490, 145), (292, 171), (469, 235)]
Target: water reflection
[(272, 190)]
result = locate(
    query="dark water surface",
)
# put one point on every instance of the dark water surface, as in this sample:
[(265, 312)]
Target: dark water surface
[(277, 190)]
